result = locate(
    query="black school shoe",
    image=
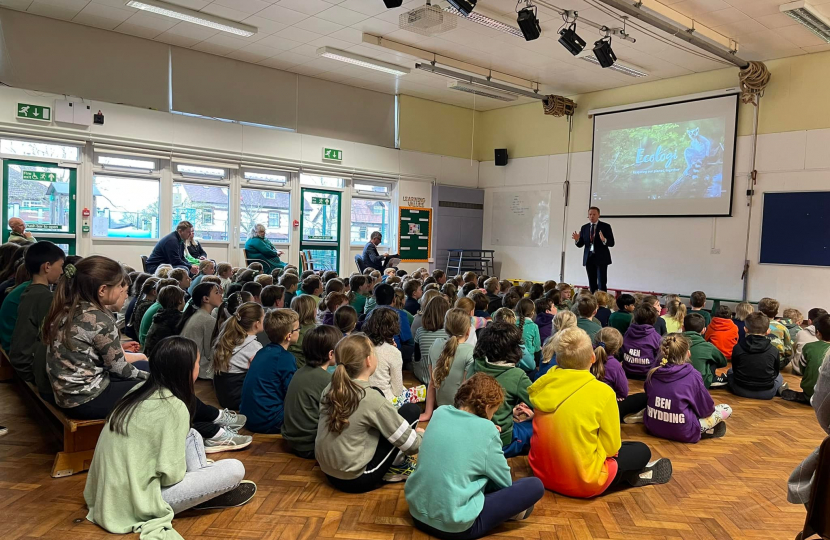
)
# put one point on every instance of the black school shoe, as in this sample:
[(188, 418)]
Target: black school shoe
[(658, 472), (719, 381), (715, 433), (238, 496), (792, 395)]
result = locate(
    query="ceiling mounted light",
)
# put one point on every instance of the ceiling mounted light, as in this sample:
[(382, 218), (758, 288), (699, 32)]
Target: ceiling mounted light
[(479, 18), (605, 55), (570, 40), (619, 67), (464, 6), (195, 17), (393, 3), (491, 93), (529, 23), (362, 61), (805, 14)]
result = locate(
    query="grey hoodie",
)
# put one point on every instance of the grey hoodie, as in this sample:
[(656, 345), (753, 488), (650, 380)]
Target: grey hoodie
[(805, 336)]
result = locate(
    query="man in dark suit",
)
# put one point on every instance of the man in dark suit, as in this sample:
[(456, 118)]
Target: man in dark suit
[(596, 237), (170, 250), (371, 257)]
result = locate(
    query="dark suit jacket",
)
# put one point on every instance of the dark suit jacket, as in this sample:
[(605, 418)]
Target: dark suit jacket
[(169, 250), (602, 255), (371, 257)]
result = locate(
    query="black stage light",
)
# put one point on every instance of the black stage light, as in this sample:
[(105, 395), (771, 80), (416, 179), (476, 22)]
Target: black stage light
[(529, 24), (393, 3), (464, 6), (603, 52), (571, 41)]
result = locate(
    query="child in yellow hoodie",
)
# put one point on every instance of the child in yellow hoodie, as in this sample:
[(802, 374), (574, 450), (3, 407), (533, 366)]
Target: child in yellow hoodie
[(575, 449)]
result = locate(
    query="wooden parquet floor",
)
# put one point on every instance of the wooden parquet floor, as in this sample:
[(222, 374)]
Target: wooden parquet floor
[(730, 488)]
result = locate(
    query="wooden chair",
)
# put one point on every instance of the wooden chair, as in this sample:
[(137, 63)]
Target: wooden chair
[(818, 510), (79, 436), (303, 261), (249, 260), (144, 263)]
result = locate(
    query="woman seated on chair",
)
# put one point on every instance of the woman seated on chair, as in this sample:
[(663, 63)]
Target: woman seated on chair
[(260, 248), (193, 250)]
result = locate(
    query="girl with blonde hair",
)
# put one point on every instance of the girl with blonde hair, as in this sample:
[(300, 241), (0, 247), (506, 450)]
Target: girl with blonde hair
[(234, 349), (676, 312), (360, 434), (449, 359), (679, 406)]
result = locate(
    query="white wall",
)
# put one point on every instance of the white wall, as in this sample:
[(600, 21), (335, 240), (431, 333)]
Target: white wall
[(162, 132), (670, 255)]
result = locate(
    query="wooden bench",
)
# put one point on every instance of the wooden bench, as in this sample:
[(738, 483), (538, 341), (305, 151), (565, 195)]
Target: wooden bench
[(6, 369), (79, 436)]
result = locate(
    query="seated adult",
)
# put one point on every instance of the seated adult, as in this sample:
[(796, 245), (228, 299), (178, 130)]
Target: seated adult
[(193, 250), (260, 248), (19, 234), (170, 250), (371, 257)]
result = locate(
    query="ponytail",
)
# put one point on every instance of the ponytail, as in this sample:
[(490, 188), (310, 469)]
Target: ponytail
[(234, 333), (444, 362), (457, 325), (344, 395), (598, 368)]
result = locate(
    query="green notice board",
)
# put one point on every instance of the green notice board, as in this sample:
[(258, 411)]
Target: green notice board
[(414, 233)]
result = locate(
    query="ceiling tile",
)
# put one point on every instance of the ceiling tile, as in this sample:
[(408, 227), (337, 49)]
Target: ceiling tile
[(38, 7), (248, 56), (692, 8), (376, 27), (193, 31), (190, 4), (279, 43), (177, 39), (149, 20), (20, 5), (799, 36), (66, 4), (294, 58), (296, 34), (776, 20), (341, 15), (352, 35), (282, 15), (319, 26), (249, 7), (212, 48), (264, 26), (225, 12), (309, 7), (722, 16), (137, 30), (368, 7)]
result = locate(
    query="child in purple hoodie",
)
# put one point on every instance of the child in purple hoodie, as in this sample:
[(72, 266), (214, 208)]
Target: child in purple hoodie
[(641, 344), (545, 312), (608, 369), (679, 406)]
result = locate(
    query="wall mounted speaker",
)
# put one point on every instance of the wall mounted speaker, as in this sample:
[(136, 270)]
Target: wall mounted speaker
[(501, 157)]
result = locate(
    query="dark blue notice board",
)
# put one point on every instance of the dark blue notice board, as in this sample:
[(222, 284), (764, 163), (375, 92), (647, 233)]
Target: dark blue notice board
[(796, 228)]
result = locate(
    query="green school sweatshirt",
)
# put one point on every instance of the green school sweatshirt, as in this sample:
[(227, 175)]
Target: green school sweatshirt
[(460, 455), (515, 383), (147, 321), (706, 358), (123, 488), (8, 314), (297, 348), (620, 320), (28, 352), (590, 326), (302, 407), (813, 354)]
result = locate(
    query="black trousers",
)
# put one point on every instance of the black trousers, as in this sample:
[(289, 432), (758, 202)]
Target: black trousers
[(632, 458), (381, 461), (597, 274), (634, 403)]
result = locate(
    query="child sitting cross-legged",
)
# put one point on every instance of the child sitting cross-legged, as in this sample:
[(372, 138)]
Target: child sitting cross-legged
[(706, 358), (576, 448), (545, 312), (722, 332), (527, 362), (608, 369), (525, 313), (675, 313), (498, 350), (621, 319), (813, 356), (360, 435), (462, 487), (562, 320), (679, 406), (641, 343), (302, 401), (586, 307), (266, 384), (450, 358), (235, 347), (755, 369)]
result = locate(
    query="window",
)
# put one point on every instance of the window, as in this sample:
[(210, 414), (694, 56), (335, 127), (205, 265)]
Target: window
[(321, 181), (369, 215), (201, 171), (125, 207), (271, 178), (367, 188), (40, 149), (206, 207), (269, 208), (119, 163)]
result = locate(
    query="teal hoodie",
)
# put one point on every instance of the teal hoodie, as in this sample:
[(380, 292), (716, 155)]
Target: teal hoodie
[(459, 456), (706, 358), (515, 383)]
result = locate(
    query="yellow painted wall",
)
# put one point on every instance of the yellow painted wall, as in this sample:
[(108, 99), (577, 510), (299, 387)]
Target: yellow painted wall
[(436, 128), (797, 98)]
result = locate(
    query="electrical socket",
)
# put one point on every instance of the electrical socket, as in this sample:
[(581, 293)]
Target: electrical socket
[(715, 251)]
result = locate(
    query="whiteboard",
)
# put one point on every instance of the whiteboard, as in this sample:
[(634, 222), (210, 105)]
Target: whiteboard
[(521, 218)]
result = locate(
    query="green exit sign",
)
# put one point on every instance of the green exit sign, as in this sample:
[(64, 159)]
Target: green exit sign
[(39, 176), (34, 112), (332, 155), (321, 200)]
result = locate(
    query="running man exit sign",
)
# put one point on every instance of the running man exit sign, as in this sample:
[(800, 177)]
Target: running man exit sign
[(332, 155), (34, 112)]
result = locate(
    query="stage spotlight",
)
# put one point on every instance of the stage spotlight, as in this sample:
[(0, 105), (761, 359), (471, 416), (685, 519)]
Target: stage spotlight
[(529, 24), (393, 3), (464, 6), (602, 50), (571, 41)]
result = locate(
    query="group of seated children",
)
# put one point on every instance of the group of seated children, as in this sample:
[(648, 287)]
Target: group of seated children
[(509, 370)]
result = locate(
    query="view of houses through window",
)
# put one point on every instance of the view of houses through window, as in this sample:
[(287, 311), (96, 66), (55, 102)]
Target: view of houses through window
[(125, 207), (369, 215), (206, 207), (270, 208)]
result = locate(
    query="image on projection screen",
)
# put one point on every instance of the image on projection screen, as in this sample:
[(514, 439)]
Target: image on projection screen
[(670, 160)]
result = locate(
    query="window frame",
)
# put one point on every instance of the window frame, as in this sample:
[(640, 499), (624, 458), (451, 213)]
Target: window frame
[(264, 186), (79, 147), (210, 184), (364, 195), (108, 173), (98, 166)]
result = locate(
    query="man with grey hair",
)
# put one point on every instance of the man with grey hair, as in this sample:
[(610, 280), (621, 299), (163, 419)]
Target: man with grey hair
[(371, 257), (19, 234)]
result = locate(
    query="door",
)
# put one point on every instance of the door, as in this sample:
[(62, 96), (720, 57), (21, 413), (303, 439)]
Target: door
[(320, 228), (42, 195)]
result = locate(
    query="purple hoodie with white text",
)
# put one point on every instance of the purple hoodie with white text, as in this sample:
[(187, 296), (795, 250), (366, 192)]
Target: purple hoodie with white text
[(677, 400), (641, 347), (615, 377)]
